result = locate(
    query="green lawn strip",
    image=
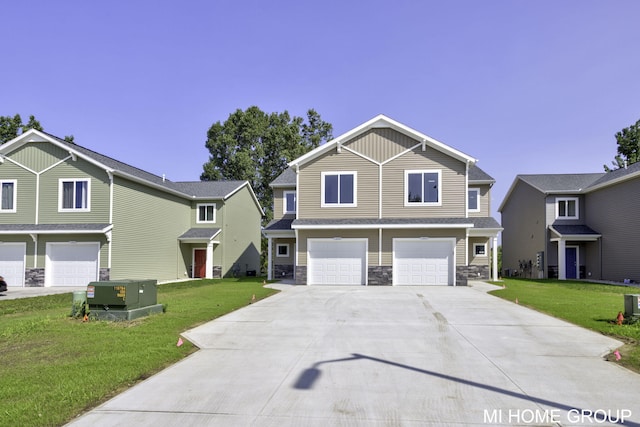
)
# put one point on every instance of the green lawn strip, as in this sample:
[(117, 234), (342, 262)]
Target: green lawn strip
[(54, 367), (592, 306)]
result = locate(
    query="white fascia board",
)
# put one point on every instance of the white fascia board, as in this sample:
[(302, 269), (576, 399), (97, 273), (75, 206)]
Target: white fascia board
[(382, 121), (377, 226), (253, 195), (279, 234), (484, 232)]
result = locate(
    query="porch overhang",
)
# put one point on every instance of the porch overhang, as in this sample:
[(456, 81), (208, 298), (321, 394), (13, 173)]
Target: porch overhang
[(200, 235), (576, 233)]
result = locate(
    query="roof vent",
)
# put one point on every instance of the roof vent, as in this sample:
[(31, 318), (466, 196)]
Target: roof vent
[(164, 178)]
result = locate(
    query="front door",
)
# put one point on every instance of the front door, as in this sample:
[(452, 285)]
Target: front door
[(200, 263), (571, 262)]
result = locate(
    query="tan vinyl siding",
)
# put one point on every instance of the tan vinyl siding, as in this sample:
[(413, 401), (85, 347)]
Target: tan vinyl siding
[(241, 242), (38, 156), (147, 224), (310, 177), (289, 260), (613, 212), (479, 260), (371, 235), (25, 201), (484, 201), (389, 235), (278, 202), (50, 193), (454, 192), (523, 219), (381, 144)]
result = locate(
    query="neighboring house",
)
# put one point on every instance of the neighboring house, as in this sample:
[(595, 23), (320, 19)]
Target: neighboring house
[(382, 204), (573, 226), (69, 216)]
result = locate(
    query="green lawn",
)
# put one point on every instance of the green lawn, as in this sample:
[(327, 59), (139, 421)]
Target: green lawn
[(53, 367), (589, 305)]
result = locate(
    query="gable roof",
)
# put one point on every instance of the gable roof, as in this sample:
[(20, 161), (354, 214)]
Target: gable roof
[(616, 176), (189, 189), (285, 179), (382, 121), (478, 176)]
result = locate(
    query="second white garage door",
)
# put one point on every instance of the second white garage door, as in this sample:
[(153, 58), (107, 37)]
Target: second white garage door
[(12, 256), (71, 264), (336, 262), (423, 261)]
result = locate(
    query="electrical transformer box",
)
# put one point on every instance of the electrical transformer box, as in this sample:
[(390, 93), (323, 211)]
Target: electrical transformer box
[(631, 305), (122, 294)]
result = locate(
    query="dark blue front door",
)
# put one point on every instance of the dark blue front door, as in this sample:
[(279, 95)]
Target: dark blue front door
[(571, 263)]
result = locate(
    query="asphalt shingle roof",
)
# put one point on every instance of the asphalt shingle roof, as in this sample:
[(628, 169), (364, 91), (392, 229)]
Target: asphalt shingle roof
[(200, 233), (288, 177), (477, 174), (561, 183), (574, 230)]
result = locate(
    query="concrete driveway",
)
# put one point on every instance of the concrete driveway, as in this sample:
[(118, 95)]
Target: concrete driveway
[(383, 356)]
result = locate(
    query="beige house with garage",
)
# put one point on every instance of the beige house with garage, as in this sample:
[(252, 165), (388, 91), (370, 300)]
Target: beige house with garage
[(383, 204)]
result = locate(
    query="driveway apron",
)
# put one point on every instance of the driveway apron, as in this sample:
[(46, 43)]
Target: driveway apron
[(383, 356)]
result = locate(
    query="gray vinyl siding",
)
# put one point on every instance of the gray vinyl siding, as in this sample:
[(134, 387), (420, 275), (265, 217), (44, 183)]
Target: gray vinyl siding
[(389, 235), (147, 224), (38, 156), (371, 235), (551, 210), (25, 201), (310, 178), (381, 144), (523, 220), (454, 190), (613, 212), (241, 240), (50, 193)]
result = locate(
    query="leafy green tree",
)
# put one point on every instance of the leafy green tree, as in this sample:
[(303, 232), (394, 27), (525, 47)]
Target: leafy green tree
[(10, 127), (628, 140), (256, 146)]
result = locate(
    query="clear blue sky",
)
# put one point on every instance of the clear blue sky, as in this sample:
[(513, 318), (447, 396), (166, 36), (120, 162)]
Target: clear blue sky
[(538, 86)]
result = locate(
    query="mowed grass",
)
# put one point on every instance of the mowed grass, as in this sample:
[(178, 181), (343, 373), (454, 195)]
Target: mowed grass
[(54, 367), (590, 305)]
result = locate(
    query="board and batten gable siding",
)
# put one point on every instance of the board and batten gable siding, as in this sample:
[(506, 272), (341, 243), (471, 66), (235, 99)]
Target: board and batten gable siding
[(381, 144), (524, 223), (38, 156), (146, 225), (613, 212), (454, 190), (370, 235), (278, 203), (310, 184), (25, 201), (241, 240), (99, 193), (389, 235), (485, 201)]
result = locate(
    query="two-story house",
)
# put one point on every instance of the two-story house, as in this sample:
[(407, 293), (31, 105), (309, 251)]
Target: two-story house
[(573, 226), (69, 216), (382, 204)]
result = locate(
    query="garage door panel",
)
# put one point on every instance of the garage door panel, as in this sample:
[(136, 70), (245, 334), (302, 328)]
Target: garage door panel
[(72, 264), (12, 263), (423, 262), (336, 262)]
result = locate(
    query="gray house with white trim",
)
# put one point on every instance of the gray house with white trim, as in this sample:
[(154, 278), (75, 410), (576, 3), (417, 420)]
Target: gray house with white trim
[(70, 215), (573, 226), (382, 204)]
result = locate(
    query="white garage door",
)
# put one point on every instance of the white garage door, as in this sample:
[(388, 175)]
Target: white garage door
[(71, 264), (336, 262), (12, 257), (423, 262)]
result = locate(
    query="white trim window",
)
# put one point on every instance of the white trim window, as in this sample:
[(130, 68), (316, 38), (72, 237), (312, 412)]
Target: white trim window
[(473, 199), (206, 213), (422, 188), (480, 249), (282, 250), (74, 195), (8, 195), (339, 189), (289, 202), (567, 208)]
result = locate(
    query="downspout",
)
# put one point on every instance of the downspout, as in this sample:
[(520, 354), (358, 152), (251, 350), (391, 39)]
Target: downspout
[(109, 240), (380, 214)]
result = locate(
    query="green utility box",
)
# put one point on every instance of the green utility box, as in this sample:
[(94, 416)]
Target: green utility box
[(123, 299), (631, 305)]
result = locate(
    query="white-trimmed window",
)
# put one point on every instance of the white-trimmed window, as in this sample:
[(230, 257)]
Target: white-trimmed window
[(74, 195), (474, 199), (339, 189), (8, 195), (289, 202), (282, 250), (480, 249), (206, 213), (567, 208), (422, 188)]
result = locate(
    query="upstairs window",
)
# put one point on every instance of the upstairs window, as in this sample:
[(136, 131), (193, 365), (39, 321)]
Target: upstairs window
[(289, 202), (206, 213), (8, 196), (74, 195), (423, 188), (567, 208), (474, 199), (338, 189)]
